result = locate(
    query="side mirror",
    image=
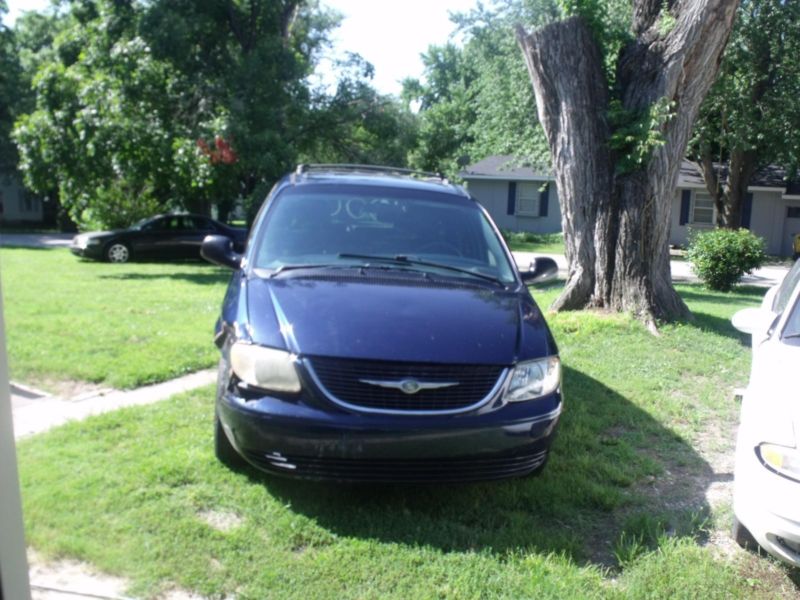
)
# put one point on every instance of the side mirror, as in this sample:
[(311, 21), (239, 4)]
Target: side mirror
[(218, 249), (541, 269), (755, 321)]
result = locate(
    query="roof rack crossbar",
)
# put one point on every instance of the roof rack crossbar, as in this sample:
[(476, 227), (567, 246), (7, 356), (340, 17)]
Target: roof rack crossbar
[(305, 168)]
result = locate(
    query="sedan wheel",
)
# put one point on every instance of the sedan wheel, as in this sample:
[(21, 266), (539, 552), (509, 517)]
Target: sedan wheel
[(118, 253)]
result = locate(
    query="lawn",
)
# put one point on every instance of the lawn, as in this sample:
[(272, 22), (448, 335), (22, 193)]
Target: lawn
[(621, 511), (543, 243), (120, 325)]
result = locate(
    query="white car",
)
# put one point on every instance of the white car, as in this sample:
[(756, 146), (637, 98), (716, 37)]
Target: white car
[(766, 495)]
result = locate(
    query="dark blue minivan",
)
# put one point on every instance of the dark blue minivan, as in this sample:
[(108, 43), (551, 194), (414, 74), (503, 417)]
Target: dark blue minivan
[(377, 329)]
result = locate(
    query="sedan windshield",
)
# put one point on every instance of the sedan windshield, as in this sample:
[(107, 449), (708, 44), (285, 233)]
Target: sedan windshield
[(141, 223), (386, 228), (792, 329)]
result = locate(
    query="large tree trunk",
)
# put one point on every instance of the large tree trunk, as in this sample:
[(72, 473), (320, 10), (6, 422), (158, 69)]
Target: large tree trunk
[(743, 165), (729, 196), (616, 223)]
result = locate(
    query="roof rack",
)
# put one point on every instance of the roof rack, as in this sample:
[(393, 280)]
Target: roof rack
[(305, 168)]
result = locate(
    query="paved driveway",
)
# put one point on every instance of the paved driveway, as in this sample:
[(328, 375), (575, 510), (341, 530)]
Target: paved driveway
[(681, 270), (36, 240)]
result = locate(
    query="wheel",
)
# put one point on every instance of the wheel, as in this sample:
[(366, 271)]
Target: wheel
[(442, 245), (118, 253), (742, 536), (224, 450)]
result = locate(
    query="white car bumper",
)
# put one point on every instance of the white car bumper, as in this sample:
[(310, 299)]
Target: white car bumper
[(767, 504)]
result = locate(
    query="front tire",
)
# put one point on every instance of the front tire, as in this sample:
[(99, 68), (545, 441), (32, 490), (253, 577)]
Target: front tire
[(224, 450), (118, 253)]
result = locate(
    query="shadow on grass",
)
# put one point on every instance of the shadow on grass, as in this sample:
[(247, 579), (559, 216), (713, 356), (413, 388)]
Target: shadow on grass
[(719, 326), (613, 469), (698, 292), (214, 276)]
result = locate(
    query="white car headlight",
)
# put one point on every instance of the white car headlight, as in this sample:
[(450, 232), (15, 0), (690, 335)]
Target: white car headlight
[(266, 368), (534, 379), (781, 459)]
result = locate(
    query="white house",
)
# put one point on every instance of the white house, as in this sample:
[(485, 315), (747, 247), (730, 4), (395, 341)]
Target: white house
[(525, 199)]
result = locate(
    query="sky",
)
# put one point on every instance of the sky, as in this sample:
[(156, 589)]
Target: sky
[(391, 34)]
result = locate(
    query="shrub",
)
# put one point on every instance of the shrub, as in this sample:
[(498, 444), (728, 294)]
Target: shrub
[(720, 257)]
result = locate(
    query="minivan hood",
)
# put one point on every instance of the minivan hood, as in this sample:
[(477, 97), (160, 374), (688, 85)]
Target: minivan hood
[(398, 321)]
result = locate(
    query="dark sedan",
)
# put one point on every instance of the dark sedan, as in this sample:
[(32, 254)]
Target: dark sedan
[(163, 237), (378, 329)]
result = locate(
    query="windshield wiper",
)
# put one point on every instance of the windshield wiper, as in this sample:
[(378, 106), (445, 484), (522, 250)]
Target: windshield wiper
[(402, 259), (269, 273)]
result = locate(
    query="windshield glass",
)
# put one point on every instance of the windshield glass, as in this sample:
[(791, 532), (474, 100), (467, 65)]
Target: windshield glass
[(788, 286), (141, 223), (318, 225), (792, 328)]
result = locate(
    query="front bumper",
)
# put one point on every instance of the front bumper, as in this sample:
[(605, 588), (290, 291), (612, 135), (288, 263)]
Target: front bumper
[(94, 251), (767, 504), (292, 438)]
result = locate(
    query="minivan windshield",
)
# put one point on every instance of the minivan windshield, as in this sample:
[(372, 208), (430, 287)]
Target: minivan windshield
[(319, 225)]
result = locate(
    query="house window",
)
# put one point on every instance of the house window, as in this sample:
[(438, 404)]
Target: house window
[(528, 198), (702, 209), (793, 212)]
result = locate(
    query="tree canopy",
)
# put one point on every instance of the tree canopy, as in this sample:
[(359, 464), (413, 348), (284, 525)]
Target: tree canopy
[(141, 106), (751, 116), (10, 76), (475, 99)]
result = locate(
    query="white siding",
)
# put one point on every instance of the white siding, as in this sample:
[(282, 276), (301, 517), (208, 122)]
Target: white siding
[(766, 220), (493, 196), (767, 216)]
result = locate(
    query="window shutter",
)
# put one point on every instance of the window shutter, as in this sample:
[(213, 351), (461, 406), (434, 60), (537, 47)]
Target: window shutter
[(512, 196), (686, 200), (544, 197), (747, 210)]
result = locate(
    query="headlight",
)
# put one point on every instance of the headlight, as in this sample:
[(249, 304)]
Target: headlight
[(534, 379), (93, 242), (782, 460), (265, 368)]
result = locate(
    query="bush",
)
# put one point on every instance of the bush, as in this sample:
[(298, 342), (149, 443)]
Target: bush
[(720, 257)]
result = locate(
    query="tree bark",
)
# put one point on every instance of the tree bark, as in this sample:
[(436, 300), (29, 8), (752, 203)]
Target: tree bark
[(616, 223), (729, 195), (577, 138)]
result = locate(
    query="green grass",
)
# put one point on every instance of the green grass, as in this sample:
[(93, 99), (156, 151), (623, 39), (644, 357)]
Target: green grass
[(544, 243), (122, 325), (620, 511)]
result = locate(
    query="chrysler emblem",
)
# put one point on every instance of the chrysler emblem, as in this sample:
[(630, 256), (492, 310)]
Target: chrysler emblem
[(409, 386)]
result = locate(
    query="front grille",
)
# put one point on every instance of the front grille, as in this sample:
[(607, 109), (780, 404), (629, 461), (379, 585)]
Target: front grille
[(401, 470), (341, 381)]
